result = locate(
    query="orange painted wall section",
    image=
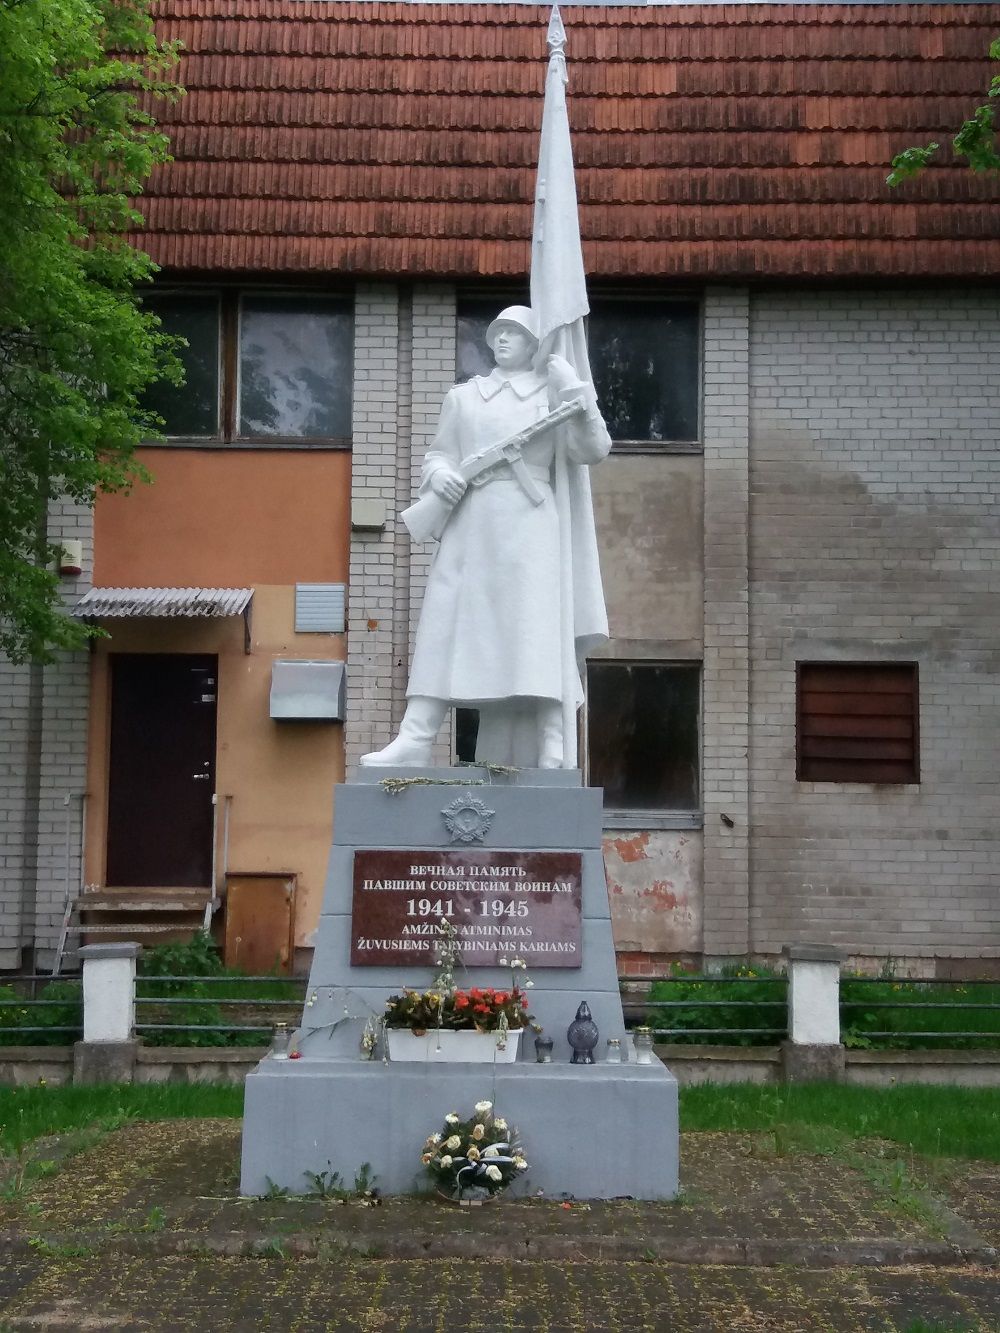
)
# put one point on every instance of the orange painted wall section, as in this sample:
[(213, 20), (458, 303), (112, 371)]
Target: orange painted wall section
[(227, 519), (278, 777)]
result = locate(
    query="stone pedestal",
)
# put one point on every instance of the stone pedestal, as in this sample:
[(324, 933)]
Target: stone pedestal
[(600, 1131)]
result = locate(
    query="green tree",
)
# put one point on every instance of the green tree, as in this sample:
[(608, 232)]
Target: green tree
[(976, 141), (76, 349)]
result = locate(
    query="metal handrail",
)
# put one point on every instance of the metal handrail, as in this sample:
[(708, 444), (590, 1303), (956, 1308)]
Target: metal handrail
[(208, 999), (285, 981)]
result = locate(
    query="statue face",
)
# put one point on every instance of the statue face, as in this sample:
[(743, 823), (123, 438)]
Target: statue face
[(513, 348)]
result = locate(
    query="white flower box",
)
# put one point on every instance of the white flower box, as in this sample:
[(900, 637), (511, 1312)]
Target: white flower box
[(446, 1047)]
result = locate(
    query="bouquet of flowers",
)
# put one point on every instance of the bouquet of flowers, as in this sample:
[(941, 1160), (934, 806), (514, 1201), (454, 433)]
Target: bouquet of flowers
[(480, 1009), (474, 1158)]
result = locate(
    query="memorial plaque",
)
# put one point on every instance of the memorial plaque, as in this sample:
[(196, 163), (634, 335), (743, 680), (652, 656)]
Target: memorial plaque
[(503, 905)]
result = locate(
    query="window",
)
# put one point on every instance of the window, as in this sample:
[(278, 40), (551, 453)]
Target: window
[(642, 734), (857, 722), (644, 355), (261, 367)]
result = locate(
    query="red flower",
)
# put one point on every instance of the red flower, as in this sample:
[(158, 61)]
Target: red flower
[(481, 1008), (461, 1001), (501, 997), (524, 1001)]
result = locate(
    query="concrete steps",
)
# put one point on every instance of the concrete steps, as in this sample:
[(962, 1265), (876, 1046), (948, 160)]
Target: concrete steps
[(143, 915)]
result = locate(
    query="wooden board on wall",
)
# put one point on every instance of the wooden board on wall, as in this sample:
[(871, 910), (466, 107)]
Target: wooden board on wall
[(260, 922)]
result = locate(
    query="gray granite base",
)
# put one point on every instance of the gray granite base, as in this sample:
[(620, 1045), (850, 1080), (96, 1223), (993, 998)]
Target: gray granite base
[(588, 1131), (600, 1131)]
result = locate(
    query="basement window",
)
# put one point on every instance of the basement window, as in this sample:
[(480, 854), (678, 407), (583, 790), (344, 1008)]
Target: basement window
[(857, 722)]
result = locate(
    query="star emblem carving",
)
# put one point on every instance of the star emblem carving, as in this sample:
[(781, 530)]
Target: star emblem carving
[(467, 819)]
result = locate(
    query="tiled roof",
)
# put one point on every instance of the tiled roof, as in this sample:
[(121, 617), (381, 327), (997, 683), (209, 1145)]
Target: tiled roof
[(722, 141)]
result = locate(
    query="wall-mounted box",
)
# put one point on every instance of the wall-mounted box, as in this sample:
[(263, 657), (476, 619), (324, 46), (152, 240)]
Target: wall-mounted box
[(368, 515), (307, 691)]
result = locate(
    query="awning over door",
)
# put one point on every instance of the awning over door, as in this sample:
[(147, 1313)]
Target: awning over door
[(178, 603)]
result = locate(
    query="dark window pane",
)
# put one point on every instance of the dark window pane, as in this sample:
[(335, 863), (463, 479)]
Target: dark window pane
[(193, 409), (644, 359), (642, 726), (296, 363), (466, 734)]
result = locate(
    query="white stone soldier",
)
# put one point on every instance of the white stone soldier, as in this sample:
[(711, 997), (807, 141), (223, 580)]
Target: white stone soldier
[(489, 634)]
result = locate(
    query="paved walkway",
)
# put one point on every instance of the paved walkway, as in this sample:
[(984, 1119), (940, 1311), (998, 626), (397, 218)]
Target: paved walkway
[(142, 1230)]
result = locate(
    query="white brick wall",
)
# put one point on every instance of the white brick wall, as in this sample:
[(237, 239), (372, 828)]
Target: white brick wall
[(20, 731), (725, 717), (43, 774), (371, 589), (433, 376), (876, 536)]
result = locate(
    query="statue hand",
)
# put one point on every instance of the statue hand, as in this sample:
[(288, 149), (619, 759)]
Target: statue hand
[(562, 377), (448, 484)]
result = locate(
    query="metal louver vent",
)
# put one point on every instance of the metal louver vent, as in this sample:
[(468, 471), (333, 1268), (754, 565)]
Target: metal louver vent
[(319, 608)]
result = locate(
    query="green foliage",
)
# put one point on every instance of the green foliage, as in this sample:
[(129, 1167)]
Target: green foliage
[(936, 1121), (29, 1113), (76, 349), (976, 141), (731, 1000), (18, 1014), (947, 1027), (196, 957), (229, 998), (325, 1184)]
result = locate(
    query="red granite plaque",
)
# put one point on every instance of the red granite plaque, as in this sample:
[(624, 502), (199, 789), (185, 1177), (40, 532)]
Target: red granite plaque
[(502, 904)]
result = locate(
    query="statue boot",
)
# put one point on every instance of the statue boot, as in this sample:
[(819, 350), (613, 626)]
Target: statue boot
[(550, 735), (417, 732)]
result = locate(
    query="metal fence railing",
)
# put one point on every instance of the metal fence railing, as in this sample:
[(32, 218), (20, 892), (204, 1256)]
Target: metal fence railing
[(710, 1009), (899, 1012), (39, 1010), (215, 1010)]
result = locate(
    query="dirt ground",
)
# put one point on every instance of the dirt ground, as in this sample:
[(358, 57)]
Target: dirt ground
[(142, 1229)]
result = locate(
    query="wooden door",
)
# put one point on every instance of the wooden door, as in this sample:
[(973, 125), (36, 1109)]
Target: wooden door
[(162, 769), (260, 922)]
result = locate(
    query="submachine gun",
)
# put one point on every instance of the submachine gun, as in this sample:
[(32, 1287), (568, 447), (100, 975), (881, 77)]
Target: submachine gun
[(426, 518)]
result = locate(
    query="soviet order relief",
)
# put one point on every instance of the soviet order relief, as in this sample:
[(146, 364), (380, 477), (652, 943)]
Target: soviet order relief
[(445, 885)]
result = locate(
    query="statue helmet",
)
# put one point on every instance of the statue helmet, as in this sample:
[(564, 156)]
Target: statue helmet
[(521, 315)]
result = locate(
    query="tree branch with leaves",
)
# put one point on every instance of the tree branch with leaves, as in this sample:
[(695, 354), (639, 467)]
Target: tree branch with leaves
[(77, 144), (976, 141)]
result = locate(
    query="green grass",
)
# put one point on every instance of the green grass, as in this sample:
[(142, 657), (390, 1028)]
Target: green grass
[(30, 1113), (938, 1121)]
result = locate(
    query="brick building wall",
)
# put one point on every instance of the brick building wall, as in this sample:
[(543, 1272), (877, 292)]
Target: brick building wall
[(371, 589), (875, 536), (43, 775), (20, 735), (404, 364), (725, 674)]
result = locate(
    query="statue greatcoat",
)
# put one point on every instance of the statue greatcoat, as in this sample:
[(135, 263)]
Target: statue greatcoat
[(489, 628)]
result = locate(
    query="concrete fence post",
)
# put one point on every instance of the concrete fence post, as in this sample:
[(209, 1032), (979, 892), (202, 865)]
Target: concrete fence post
[(813, 1049), (107, 1052)]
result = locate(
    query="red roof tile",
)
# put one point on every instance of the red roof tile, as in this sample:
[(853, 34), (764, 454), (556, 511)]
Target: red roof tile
[(711, 141)]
